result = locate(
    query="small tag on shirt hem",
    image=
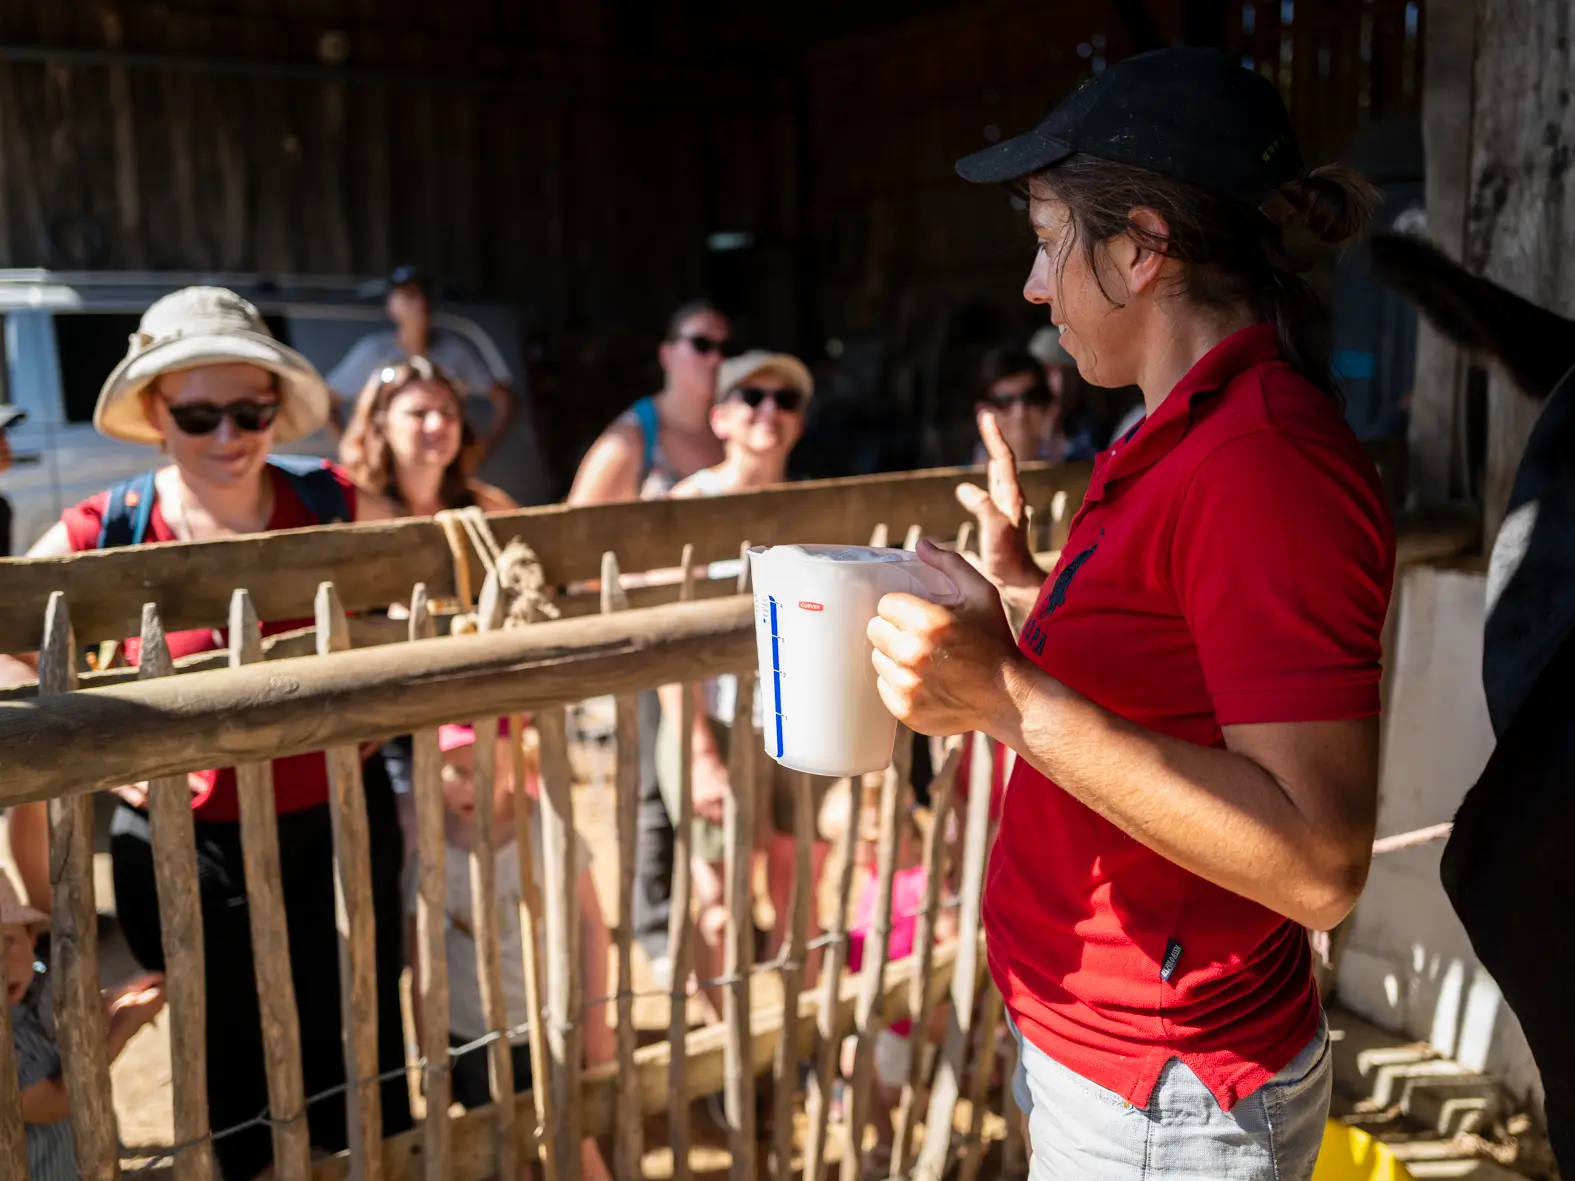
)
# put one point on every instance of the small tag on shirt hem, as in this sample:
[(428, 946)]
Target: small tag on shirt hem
[(1172, 958)]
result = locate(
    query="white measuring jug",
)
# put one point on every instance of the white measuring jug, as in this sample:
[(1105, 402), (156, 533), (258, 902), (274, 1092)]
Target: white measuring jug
[(821, 710)]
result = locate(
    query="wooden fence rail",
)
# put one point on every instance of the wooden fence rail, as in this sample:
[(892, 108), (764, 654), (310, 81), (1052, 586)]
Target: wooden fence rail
[(74, 933), (174, 841), (337, 682), (373, 565), (100, 738)]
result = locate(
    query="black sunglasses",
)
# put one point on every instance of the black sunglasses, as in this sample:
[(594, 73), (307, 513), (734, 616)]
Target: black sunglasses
[(705, 345), (414, 369), (787, 401), (1035, 397), (203, 418)]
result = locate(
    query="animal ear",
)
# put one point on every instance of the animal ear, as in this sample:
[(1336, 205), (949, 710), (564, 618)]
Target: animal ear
[(1535, 345)]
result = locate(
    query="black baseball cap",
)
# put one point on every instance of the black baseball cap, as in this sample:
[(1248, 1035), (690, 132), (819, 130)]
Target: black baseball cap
[(410, 276), (1188, 113)]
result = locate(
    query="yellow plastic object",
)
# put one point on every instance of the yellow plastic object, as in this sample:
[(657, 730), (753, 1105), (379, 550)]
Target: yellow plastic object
[(1350, 1154)]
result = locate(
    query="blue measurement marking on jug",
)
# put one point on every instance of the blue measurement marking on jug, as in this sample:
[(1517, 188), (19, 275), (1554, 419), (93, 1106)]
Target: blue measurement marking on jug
[(776, 670)]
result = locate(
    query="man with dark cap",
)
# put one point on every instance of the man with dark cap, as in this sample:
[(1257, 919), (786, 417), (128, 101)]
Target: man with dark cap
[(410, 308)]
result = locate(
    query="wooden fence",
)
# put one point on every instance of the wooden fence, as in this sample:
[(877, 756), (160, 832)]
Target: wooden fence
[(73, 734)]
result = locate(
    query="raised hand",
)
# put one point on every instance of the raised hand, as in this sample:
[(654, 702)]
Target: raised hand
[(137, 1001), (1004, 556), (945, 669)]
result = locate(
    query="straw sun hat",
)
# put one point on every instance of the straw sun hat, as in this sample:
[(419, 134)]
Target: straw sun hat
[(198, 326), (13, 911), (735, 371)]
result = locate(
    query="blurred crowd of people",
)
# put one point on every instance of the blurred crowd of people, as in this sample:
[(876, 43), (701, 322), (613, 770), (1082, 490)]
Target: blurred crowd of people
[(414, 410)]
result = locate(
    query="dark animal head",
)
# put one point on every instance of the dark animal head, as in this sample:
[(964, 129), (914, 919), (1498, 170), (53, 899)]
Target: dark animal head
[(1535, 346)]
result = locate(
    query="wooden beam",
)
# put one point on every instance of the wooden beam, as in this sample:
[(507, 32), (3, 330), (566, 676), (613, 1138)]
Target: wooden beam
[(281, 1023), (365, 631), (375, 564), (291, 706), (794, 955), (431, 980), (1438, 387), (530, 916), (973, 1148), (484, 905), (877, 948), (565, 1000), (174, 839), (628, 1143), (1522, 132), (817, 1103), (474, 1159), (13, 1134), (102, 737), (79, 1007), (380, 578), (905, 1118), (355, 921), (680, 923), (950, 1071), (745, 757)]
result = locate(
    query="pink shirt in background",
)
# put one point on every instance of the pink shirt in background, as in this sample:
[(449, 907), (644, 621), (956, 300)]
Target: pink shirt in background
[(907, 899)]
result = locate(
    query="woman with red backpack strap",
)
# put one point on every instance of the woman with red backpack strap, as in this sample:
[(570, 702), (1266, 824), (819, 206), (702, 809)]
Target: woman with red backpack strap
[(206, 382)]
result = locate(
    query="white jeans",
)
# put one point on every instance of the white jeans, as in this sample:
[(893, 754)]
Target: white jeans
[(1079, 1131)]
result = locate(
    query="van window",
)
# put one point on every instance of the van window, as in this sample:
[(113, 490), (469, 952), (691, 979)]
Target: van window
[(91, 344)]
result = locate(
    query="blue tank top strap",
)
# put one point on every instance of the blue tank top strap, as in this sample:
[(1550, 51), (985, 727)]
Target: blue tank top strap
[(129, 510), (650, 427)]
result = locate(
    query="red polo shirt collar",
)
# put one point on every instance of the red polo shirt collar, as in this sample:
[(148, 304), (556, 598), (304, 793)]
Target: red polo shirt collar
[(1162, 430)]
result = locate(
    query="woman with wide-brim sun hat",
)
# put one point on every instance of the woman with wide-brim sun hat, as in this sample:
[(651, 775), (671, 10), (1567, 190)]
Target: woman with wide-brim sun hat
[(205, 382), (1194, 695)]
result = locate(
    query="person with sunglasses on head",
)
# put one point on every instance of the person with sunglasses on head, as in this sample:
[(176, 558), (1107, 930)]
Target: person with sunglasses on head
[(407, 438), (1194, 695), (406, 442), (409, 306), (205, 382), (658, 441), (759, 413)]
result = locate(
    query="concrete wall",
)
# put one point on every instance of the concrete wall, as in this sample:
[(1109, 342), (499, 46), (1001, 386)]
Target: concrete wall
[(1408, 966)]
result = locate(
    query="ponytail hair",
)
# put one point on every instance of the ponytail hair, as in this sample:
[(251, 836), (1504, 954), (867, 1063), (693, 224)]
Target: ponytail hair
[(1234, 253)]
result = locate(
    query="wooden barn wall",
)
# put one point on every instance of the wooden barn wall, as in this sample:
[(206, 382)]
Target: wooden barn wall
[(570, 157), (917, 272), (566, 157)]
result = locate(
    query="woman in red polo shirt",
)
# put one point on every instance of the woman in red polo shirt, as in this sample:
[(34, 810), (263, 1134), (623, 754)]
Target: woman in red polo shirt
[(206, 383), (1194, 696)]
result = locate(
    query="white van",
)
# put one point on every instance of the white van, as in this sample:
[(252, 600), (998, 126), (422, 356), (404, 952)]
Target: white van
[(63, 333)]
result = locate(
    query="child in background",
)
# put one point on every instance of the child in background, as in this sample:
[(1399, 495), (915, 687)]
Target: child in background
[(470, 1070), (46, 1109)]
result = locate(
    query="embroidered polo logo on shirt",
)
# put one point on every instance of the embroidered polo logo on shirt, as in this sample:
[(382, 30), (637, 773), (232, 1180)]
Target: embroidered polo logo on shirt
[(1057, 596)]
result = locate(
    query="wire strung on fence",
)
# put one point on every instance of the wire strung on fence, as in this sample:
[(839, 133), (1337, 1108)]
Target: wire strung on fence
[(166, 1154)]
